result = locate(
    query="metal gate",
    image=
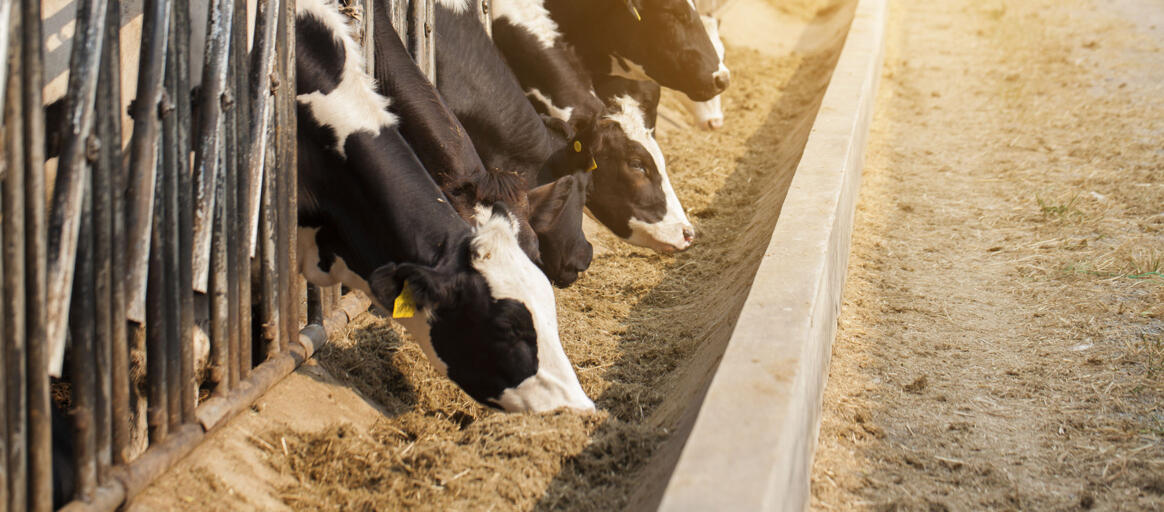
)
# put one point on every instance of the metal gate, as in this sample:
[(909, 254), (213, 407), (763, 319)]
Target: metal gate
[(114, 258)]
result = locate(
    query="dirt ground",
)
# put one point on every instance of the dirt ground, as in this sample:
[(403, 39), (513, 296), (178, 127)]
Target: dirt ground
[(1001, 342), (643, 330)]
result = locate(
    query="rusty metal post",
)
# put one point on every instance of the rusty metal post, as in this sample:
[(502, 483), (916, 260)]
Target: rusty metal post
[(156, 331), (207, 165), (15, 462), (422, 23), (144, 154), (105, 179), (39, 419), (82, 373), (188, 389)]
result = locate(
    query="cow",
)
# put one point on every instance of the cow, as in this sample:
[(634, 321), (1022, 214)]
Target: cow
[(709, 114), (439, 140), (371, 217), (629, 183), (508, 133), (660, 40)]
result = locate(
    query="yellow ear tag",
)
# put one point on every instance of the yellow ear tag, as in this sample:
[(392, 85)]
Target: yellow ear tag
[(593, 165), (636, 11), (577, 146), (404, 306)]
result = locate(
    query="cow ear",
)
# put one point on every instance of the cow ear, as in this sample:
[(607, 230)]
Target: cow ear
[(548, 202), (385, 285), (428, 286)]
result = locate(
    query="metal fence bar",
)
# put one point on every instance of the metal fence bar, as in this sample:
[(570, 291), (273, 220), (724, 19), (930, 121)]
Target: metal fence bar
[(284, 165), (422, 21), (15, 461), (105, 180), (219, 331), (239, 195), (5, 25), (268, 246), (155, 327), (189, 388), (72, 171), (82, 373), (232, 163), (172, 296), (261, 98), (143, 152), (109, 128), (39, 414), (206, 157)]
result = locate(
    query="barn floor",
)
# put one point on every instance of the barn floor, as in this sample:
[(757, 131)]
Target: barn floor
[(1001, 342), (645, 332)]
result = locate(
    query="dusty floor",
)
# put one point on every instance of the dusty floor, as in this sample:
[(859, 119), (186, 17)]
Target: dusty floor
[(1002, 337)]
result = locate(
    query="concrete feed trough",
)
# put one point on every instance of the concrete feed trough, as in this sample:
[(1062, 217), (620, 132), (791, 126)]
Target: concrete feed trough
[(707, 366)]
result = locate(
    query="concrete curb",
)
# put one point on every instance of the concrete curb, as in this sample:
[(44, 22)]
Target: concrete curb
[(752, 445)]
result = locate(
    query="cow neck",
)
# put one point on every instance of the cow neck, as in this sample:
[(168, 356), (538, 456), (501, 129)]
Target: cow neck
[(426, 122), (381, 205), (487, 98)]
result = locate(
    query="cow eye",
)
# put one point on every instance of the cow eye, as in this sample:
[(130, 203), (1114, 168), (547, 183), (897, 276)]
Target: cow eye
[(638, 166)]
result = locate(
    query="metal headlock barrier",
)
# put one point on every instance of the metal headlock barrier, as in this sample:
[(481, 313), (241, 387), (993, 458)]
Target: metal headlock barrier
[(104, 269)]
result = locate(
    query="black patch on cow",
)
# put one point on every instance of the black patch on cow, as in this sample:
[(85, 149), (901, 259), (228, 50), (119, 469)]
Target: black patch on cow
[(323, 70)]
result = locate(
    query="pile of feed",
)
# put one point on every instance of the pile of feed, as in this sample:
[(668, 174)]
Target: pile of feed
[(643, 330)]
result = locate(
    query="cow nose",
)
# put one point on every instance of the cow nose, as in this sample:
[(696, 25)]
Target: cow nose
[(722, 81), (688, 234)]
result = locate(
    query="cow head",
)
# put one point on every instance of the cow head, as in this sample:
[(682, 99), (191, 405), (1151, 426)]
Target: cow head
[(556, 215), (490, 326), (632, 195), (664, 41)]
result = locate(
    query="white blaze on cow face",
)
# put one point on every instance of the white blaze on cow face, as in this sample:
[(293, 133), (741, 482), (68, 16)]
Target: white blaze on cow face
[(530, 14), (673, 232), (709, 114), (511, 275), (353, 106)]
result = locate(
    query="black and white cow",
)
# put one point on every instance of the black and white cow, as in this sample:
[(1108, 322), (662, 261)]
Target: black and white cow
[(508, 133), (546, 66), (372, 218), (631, 193), (709, 114), (439, 140), (660, 40)]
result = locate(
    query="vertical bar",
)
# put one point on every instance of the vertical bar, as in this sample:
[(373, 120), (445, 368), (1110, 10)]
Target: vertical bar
[(72, 172), (287, 188), (369, 30), (39, 426), (261, 102), (423, 17), (185, 205), (16, 483), (110, 119), (5, 25), (235, 100), (206, 157), (219, 315), (81, 371), (143, 153), (238, 194), (109, 164), (261, 119), (156, 331), (315, 304), (398, 14), (267, 247), (169, 219)]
